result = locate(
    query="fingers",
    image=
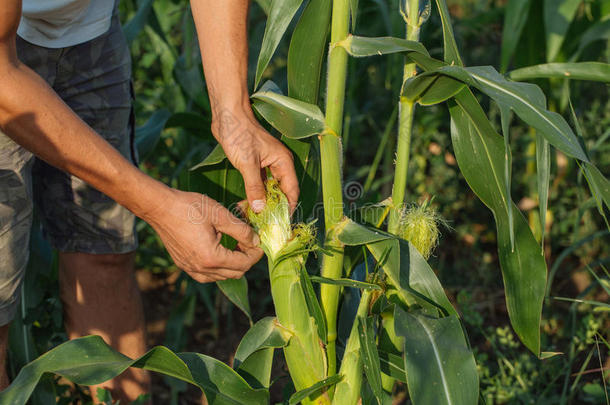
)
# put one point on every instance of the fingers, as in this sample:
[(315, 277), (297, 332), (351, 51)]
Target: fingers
[(227, 223), (255, 188), (217, 274), (283, 170), (240, 260)]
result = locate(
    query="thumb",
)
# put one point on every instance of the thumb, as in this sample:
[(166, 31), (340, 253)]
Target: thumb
[(255, 189)]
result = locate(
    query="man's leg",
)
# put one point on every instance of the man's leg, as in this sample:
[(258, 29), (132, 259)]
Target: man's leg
[(15, 224), (3, 348), (97, 280), (101, 297)]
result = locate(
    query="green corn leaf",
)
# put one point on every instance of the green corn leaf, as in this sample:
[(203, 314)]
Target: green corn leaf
[(368, 352), (345, 282), (216, 156), (280, 14), (405, 267), (543, 177), (596, 32), (254, 355), (480, 152), (600, 305), (440, 367), (304, 72), (430, 90), (291, 117), (218, 381), (190, 79), (314, 389), (147, 136), (266, 333), (452, 54), (236, 290), (353, 234), (89, 361), (306, 52), (558, 14), (603, 282), (526, 100), (256, 369), (265, 5), (393, 365), (599, 185), (313, 305), (515, 16), (505, 116), (595, 71), (353, 11), (372, 46), (134, 26), (548, 355), (409, 272)]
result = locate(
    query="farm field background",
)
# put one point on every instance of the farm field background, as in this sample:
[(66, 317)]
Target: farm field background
[(173, 113)]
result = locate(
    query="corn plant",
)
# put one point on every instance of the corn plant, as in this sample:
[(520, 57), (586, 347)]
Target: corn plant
[(402, 326)]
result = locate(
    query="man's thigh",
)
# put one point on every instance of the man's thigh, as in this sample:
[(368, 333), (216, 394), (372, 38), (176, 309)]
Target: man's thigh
[(15, 223), (94, 80)]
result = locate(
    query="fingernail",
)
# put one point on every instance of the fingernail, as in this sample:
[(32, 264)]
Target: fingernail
[(258, 205)]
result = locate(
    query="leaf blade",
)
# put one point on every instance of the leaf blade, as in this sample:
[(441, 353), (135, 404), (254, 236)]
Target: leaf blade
[(280, 13), (437, 358), (594, 71)]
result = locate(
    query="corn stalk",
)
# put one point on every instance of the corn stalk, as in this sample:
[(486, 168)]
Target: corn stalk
[(414, 17), (331, 152), (411, 11)]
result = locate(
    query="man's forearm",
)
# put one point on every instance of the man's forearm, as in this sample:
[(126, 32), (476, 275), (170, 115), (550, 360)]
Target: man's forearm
[(222, 33), (37, 119)]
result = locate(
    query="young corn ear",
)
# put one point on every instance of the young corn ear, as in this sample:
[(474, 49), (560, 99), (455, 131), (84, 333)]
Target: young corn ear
[(349, 388), (286, 247), (419, 225)]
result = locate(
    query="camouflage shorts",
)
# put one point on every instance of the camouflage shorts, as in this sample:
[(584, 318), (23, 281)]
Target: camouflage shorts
[(94, 79)]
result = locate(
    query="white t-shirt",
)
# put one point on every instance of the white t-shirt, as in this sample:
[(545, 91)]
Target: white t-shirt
[(63, 23)]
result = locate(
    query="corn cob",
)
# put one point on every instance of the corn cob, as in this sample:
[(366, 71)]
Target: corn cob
[(286, 247)]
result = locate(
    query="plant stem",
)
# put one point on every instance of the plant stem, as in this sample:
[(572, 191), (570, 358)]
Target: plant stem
[(405, 132), (405, 126), (331, 153)]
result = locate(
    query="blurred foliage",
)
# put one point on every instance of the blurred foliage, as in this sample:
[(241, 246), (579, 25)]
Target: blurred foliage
[(167, 77)]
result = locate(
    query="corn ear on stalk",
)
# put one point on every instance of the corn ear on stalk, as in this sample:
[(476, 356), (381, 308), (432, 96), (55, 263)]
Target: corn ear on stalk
[(286, 247), (348, 389)]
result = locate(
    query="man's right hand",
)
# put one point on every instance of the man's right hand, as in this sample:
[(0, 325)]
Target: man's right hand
[(191, 227)]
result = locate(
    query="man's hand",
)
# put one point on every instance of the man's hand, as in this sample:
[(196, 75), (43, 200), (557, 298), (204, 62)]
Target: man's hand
[(251, 149), (222, 33), (191, 227)]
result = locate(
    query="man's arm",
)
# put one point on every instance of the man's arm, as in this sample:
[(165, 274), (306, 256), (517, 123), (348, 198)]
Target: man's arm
[(37, 119), (221, 28)]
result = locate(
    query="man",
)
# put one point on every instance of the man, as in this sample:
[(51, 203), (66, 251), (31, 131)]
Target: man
[(65, 98)]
